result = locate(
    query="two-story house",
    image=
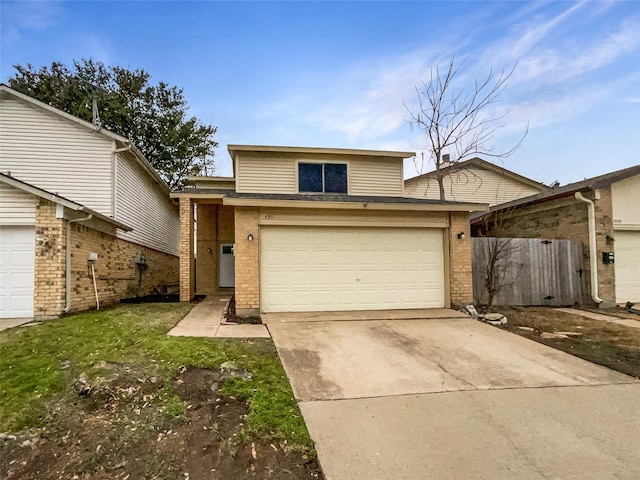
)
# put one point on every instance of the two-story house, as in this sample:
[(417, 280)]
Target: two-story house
[(84, 218), (322, 229)]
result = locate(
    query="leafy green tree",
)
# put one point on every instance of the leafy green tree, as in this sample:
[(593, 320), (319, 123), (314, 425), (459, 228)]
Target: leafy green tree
[(154, 117)]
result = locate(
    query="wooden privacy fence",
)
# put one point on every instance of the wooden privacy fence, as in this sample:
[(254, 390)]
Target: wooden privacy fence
[(533, 271)]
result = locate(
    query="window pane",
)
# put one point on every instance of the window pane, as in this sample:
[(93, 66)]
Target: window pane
[(335, 178), (310, 177)]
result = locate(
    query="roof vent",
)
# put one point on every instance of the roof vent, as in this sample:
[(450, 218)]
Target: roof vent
[(446, 161)]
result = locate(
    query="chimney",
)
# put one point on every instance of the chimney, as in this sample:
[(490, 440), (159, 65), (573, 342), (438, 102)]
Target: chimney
[(446, 160)]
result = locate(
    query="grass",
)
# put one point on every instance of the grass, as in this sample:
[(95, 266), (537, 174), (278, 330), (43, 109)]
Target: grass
[(38, 365)]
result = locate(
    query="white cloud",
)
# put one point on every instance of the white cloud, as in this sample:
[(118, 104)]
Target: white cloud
[(552, 83), (536, 32), (26, 15)]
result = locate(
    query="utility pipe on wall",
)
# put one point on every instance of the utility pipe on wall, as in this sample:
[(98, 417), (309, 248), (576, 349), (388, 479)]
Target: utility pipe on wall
[(67, 289), (95, 286), (593, 257)]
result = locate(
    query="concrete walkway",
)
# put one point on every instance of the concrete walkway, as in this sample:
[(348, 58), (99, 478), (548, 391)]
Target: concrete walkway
[(601, 317), (6, 323), (205, 320), (455, 399)]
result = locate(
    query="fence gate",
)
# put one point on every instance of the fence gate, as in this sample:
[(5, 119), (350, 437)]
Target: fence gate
[(534, 271)]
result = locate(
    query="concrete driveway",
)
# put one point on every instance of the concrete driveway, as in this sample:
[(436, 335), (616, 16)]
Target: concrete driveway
[(455, 399)]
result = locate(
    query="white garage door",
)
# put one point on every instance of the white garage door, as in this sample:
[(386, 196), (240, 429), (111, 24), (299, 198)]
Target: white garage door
[(17, 256), (335, 268), (627, 262)]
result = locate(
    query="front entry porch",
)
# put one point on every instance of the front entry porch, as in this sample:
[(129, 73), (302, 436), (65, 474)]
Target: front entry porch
[(207, 238)]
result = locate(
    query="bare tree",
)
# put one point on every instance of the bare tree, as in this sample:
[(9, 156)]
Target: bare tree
[(459, 123), (499, 254)]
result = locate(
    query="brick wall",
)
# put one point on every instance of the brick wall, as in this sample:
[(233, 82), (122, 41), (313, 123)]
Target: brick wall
[(460, 278), (565, 218), (247, 260), (117, 275), (187, 264), (604, 228), (50, 262), (207, 249)]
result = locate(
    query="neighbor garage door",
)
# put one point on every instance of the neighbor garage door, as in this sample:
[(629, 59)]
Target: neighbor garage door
[(17, 250), (627, 263), (340, 268)]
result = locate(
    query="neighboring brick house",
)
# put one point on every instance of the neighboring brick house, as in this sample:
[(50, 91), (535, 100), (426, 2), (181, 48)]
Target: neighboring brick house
[(68, 190), (563, 213), (474, 180), (320, 229)]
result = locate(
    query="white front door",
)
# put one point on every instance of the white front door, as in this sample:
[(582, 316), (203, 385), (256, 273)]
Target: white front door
[(227, 266), (17, 260), (350, 268)]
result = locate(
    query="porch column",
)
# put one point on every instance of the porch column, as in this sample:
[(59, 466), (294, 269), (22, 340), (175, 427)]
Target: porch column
[(460, 278), (187, 262), (247, 255)]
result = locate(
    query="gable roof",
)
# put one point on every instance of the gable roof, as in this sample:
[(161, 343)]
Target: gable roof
[(568, 190), (234, 149), (6, 91), (484, 165), (65, 202)]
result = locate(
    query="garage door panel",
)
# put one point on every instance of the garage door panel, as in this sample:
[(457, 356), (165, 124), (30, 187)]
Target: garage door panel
[(17, 258), (326, 268), (627, 266)]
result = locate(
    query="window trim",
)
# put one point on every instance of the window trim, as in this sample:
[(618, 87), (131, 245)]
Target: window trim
[(321, 162)]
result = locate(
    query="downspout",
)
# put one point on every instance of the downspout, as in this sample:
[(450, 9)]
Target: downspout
[(114, 173), (67, 289), (593, 257)]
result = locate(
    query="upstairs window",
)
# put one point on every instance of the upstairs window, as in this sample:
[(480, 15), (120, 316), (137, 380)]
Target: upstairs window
[(322, 177)]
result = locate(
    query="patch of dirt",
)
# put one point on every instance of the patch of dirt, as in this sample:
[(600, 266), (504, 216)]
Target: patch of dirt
[(152, 299), (116, 431), (230, 315), (611, 345)]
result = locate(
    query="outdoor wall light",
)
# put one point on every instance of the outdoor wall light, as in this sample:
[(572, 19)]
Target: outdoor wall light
[(250, 237), (461, 236)]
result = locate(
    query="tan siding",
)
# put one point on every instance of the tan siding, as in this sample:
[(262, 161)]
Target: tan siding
[(471, 185), (378, 177), (625, 198), (16, 207), (315, 217), (277, 174), (266, 175), (53, 154), (141, 205)]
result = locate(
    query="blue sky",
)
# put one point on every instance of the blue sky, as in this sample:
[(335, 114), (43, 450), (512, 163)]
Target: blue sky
[(338, 74)]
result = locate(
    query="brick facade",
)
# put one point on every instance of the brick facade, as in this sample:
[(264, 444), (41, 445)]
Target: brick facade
[(460, 278), (213, 223), (247, 260), (117, 276), (565, 218), (187, 262), (50, 262)]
